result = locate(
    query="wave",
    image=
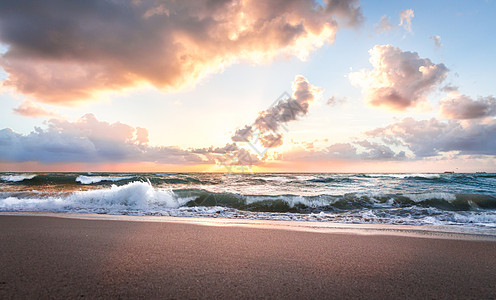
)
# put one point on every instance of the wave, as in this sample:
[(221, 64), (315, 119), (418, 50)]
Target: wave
[(47, 179), (139, 192), (485, 175), (331, 179), (69, 179), (143, 198), (351, 201), (172, 173), (178, 180), (95, 179), (405, 176), (17, 178), (137, 196)]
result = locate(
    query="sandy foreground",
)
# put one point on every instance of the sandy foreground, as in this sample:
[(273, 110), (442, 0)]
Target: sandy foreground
[(124, 257)]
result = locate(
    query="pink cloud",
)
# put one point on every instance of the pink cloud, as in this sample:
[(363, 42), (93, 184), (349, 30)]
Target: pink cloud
[(30, 109), (72, 51), (399, 79), (458, 107)]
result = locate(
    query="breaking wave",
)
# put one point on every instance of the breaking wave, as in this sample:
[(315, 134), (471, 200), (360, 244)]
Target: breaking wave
[(95, 179), (142, 198), (406, 176), (135, 196), (17, 178)]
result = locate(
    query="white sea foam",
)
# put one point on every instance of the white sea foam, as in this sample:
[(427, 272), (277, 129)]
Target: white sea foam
[(291, 200), (427, 196), (139, 196), (478, 218), (17, 178), (95, 179)]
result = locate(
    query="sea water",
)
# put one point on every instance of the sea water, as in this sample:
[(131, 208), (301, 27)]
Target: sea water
[(466, 200)]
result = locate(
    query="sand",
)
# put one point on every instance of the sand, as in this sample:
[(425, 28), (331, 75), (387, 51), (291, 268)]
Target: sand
[(51, 257)]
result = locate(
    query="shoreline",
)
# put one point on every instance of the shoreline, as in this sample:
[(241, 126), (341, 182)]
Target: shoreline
[(421, 231), (66, 257)]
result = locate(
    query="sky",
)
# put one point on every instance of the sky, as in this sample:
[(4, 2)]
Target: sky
[(248, 86)]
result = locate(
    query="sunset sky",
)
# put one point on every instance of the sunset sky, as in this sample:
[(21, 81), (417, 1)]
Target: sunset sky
[(225, 85)]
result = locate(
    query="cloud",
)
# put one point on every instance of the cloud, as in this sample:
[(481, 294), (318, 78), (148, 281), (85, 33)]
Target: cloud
[(229, 155), (240, 157), (341, 150), (376, 151), (335, 100), (62, 52), (141, 135), (348, 10), (459, 107), (30, 109), (400, 79), (406, 17), (242, 134), (384, 25), (433, 137), (437, 41), (449, 88), (408, 140), (266, 128), (360, 150), (88, 140)]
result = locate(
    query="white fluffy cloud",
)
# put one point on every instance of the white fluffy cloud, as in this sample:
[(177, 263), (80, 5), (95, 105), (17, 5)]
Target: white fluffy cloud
[(399, 79)]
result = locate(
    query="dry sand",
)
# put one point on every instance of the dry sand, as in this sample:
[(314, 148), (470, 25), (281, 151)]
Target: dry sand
[(50, 257)]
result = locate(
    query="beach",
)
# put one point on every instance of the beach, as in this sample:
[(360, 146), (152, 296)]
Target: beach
[(61, 257)]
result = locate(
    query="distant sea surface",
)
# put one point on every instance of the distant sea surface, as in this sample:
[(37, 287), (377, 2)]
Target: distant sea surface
[(463, 200)]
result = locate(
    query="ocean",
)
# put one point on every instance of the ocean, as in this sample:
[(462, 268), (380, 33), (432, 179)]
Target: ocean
[(457, 200)]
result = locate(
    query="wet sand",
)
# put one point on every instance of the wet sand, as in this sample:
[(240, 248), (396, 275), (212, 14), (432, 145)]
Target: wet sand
[(51, 257)]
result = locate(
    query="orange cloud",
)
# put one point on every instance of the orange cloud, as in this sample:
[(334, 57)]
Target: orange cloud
[(30, 109), (88, 140), (62, 52)]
